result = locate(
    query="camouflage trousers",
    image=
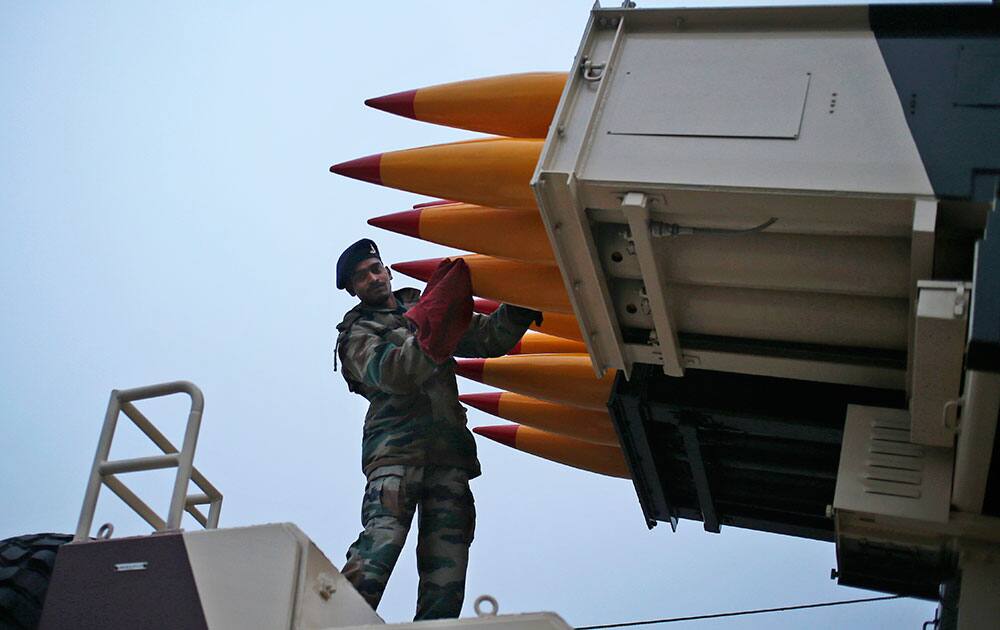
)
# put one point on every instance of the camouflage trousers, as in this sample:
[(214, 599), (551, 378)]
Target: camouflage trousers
[(446, 522)]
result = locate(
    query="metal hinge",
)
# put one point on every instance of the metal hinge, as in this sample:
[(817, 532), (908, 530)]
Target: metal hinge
[(591, 71)]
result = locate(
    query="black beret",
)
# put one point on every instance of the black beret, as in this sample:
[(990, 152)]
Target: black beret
[(361, 250)]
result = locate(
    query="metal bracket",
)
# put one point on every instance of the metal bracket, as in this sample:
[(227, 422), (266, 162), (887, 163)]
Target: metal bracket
[(591, 71), (635, 206), (936, 364), (921, 265), (974, 449)]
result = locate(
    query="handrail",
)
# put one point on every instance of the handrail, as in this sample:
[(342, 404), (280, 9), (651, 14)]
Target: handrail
[(103, 471)]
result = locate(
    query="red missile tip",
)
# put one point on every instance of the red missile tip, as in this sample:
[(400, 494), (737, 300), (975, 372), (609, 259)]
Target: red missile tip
[(406, 222), (488, 402), (484, 306), (516, 349), (419, 269), (400, 103), (470, 368), (367, 169), (506, 434)]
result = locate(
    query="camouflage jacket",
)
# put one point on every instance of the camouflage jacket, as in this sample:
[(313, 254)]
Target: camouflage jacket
[(414, 417)]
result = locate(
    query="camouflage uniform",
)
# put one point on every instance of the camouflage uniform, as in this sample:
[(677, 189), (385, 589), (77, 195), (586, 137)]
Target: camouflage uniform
[(416, 451)]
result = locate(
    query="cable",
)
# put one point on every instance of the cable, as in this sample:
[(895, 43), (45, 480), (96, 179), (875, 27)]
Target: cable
[(661, 228), (757, 228), (738, 613)]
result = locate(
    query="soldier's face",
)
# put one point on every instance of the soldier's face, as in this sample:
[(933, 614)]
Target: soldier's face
[(372, 282)]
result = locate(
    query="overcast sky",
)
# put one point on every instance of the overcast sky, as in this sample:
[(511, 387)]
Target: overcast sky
[(167, 214)]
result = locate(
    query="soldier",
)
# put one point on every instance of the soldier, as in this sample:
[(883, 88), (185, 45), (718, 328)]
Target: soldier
[(417, 453)]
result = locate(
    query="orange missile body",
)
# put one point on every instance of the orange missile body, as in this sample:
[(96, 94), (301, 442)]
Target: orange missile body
[(538, 343), (493, 172), (436, 202), (517, 105), (567, 379), (513, 234), (598, 458), (557, 324), (532, 285), (583, 424)]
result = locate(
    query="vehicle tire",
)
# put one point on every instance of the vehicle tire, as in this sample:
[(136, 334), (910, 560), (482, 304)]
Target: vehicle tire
[(25, 569)]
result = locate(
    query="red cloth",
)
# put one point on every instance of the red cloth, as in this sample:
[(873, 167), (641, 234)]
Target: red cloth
[(444, 311)]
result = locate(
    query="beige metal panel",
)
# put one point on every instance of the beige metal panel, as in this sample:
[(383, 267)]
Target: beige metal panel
[(768, 104), (800, 369), (726, 118), (873, 526), (852, 136), (586, 287), (654, 272), (850, 265), (818, 213), (925, 216), (829, 319), (938, 355), (565, 221), (270, 577), (978, 603), (866, 484), (326, 599), (977, 432), (246, 577)]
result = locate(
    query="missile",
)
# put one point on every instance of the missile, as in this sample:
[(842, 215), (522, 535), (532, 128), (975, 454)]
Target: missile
[(493, 172), (514, 234), (598, 458), (566, 379), (583, 424), (539, 343), (517, 105), (531, 285), (556, 324), (436, 202)]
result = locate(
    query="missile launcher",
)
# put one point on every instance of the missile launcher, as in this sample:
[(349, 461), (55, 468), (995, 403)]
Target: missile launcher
[(776, 233)]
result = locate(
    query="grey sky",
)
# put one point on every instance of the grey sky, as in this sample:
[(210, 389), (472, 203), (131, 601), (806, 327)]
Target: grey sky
[(167, 214)]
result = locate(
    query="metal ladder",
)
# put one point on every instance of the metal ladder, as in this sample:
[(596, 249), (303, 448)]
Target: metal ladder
[(104, 471)]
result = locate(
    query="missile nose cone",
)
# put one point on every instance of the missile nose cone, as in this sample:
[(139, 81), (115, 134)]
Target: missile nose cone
[(505, 434), (367, 169), (419, 269), (488, 402), (406, 222), (470, 368), (400, 103)]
